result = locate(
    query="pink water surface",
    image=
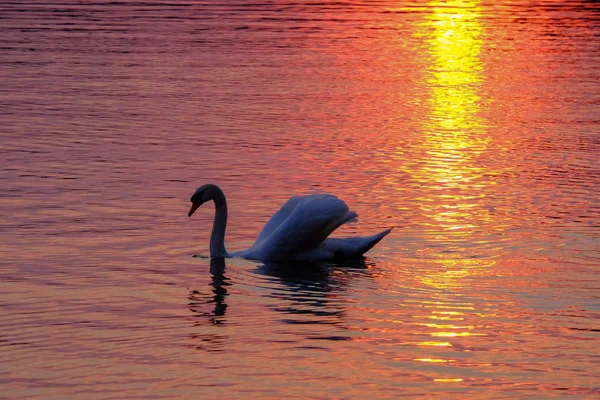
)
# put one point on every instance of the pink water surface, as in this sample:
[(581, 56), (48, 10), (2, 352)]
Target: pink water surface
[(472, 127)]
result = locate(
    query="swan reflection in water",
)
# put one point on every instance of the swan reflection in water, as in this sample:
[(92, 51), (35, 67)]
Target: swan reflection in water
[(212, 341), (219, 283), (313, 299), (306, 294)]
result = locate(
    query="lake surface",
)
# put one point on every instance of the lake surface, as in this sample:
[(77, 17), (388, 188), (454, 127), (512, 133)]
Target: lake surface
[(471, 127)]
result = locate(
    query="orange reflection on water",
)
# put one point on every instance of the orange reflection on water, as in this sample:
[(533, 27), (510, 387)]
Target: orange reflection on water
[(451, 271)]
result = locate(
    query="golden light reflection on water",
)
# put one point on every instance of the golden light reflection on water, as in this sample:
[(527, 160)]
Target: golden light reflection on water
[(433, 360), (451, 271), (436, 344), (452, 182), (455, 334), (454, 132)]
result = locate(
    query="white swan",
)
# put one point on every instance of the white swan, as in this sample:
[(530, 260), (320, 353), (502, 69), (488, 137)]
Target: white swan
[(298, 231)]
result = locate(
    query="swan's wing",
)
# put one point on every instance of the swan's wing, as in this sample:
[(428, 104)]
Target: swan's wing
[(279, 217), (302, 225)]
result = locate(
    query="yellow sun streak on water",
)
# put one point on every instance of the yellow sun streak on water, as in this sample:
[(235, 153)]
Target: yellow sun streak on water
[(452, 181), (433, 360), (448, 379), (454, 137), (456, 334), (436, 344), (454, 134)]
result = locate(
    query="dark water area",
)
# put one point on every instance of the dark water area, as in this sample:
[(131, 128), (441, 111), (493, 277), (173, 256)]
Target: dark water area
[(471, 127)]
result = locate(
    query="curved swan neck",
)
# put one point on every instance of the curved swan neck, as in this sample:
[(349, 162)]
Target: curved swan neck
[(217, 237)]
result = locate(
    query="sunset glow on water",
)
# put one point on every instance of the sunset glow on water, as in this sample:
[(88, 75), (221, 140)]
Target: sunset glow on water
[(471, 127)]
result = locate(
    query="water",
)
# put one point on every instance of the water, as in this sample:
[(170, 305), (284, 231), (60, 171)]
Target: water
[(472, 127)]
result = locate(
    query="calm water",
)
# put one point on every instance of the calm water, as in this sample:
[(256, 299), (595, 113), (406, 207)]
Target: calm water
[(472, 127)]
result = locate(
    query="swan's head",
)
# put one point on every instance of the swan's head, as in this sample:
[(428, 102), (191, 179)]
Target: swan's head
[(203, 194)]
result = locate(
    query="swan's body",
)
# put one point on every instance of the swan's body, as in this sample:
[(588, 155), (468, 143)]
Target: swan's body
[(298, 231)]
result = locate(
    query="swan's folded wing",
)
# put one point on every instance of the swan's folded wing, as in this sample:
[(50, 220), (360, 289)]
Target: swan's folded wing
[(279, 217), (311, 219)]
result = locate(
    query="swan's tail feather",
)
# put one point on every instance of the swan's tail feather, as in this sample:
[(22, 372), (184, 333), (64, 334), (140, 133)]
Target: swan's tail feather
[(354, 247), (371, 241)]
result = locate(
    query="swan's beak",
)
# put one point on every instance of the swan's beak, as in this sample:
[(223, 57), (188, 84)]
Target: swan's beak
[(194, 208)]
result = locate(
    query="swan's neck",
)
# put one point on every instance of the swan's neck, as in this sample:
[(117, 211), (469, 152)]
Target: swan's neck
[(217, 237)]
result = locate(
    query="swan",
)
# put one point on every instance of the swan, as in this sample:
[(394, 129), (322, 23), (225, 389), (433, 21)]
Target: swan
[(298, 231)]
